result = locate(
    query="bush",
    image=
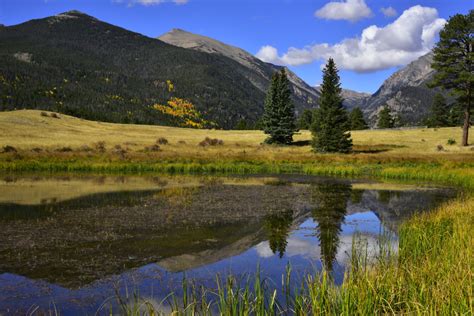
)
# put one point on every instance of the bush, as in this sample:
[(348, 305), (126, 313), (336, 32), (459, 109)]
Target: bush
[(153, 148), (211, 142), (64, 149), (440, 147), (85, 148), (9, 149), (451, 141), (162, 141), (100, 146), (182, 142), (44, 114), (119, 151)]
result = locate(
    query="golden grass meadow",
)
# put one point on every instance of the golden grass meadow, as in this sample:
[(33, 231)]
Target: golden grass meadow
[(432, 272)]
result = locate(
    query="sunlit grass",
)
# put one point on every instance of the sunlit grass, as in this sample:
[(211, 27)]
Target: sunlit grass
[(430, 274)]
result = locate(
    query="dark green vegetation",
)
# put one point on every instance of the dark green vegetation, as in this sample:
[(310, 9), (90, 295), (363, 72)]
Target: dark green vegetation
[(331, 124), (453, 60), (74, 64), (357, 120), (279, 116), (183, 223), (305, 120), (385, 119), (439, 113)]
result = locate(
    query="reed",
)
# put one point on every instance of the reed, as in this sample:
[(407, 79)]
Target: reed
[(431, 274)]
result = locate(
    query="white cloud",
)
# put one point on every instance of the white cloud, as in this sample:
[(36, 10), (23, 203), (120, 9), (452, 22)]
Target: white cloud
[(351, 10), (150, 2), (411, 35), (389, 12)]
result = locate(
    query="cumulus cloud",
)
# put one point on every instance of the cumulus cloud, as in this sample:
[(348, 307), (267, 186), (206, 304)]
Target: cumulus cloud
[(411, 35), (389, 12), (150, 2), (351, 10)]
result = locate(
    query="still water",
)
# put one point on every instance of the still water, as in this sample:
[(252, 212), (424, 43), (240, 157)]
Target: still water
[(74, 243)]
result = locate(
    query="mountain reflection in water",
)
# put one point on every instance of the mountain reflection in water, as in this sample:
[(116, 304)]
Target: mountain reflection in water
[(71, 240)]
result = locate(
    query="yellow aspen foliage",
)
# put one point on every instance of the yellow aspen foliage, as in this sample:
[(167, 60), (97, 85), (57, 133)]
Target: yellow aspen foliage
[(170, 85), (183, 113)]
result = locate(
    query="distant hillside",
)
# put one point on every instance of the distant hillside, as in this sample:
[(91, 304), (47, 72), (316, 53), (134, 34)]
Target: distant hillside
[(76, 64), (406, 93), (259, 73)]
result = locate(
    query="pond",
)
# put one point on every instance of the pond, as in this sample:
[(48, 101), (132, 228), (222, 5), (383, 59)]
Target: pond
[(75, 242)]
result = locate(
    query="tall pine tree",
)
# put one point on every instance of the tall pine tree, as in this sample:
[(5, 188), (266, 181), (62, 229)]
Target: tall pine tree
[(331, 124), (439, 114), (357, 120), (453, 61), (279, 117), (385, 118)]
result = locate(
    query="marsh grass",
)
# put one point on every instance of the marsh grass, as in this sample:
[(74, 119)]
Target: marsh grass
[(431, 273)]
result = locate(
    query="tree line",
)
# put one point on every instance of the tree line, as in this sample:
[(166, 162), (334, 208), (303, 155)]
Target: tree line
[(331, 123)]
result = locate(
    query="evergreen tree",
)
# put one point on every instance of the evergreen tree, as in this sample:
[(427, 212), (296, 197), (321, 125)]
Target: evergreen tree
[(455, 115), (331, 200), (278, 229), (306, 119), (331, 124), (439, 112), (357, 120), (453, 60), (385, 118), (279, 116)]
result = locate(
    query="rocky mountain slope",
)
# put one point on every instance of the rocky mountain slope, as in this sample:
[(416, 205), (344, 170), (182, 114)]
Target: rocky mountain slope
[(405, 92), (75, 64), (260, 72)]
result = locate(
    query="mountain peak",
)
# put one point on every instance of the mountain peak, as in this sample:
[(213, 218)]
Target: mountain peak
[(72, 14)]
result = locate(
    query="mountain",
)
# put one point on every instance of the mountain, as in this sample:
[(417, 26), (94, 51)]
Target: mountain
[(351, 98), (75, 64), (405, 92), (354, 99), (259, 74)]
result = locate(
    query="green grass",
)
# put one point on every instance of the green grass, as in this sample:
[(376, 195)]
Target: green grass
[(431, 274)]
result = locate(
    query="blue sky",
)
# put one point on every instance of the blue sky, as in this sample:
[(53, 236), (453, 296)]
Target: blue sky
[(367, 44)]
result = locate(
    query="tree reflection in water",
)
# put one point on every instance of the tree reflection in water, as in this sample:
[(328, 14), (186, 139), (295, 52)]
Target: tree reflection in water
[(278, 228), (331, 202)]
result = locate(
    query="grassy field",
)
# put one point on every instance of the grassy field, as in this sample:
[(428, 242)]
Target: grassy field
[(28, 129), (432, 273), (44, 143)]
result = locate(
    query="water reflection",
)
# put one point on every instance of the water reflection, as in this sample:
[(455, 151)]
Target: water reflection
[(69, 239), (278, 228), (331, 203)]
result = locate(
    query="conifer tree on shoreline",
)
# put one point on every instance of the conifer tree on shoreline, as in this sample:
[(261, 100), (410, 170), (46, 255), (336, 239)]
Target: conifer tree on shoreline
[(331, 124), (453, 61), (357, 120), (279, 116), (385, 119)]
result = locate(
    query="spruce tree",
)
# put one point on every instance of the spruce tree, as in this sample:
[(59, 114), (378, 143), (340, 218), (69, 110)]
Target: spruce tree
[(385, 118), (306, 119), (331, 124), (357, 120), (438, 113), (279, 116), (453, 61)]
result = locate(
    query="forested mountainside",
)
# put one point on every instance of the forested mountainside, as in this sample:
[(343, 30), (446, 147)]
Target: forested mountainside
[(75, 64), (259, 73)]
